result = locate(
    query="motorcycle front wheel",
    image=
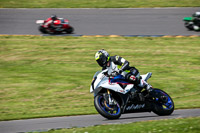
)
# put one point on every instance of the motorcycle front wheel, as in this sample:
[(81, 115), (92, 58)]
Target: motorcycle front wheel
[(106, 110), (70, 30), (163, 103)]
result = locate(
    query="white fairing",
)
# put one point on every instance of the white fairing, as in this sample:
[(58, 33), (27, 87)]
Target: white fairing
[(102, 81), (39, 21)]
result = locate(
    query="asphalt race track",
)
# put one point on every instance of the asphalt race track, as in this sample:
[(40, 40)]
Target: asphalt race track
[(45, 124), (123, 21)]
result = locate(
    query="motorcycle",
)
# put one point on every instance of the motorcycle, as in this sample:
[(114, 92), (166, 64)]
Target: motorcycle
[(63, 27), (114, 96), (189, 24)]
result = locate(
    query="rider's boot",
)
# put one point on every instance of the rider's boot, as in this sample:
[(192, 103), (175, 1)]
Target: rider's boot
[(144, 84)]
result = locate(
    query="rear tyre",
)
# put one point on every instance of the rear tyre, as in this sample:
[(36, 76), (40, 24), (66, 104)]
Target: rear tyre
[(106, 110), (189, 25), (163, 104), (42, 29)]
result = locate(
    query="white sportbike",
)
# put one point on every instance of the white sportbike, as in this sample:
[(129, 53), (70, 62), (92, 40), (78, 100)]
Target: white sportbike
[(114, 96)]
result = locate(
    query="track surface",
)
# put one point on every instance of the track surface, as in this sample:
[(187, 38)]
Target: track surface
[(123, 21), (44, 124)]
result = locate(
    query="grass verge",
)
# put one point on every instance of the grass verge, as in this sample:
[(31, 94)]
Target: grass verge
[(97, 3), (50, 76), (181, 125)]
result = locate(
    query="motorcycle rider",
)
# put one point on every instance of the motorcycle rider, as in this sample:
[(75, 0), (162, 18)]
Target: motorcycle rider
[(50, 23), (118, 65), (196, 20)]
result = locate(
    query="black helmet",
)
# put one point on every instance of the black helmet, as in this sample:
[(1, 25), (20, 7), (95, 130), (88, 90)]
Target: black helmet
[(102, 57), (53, 17)]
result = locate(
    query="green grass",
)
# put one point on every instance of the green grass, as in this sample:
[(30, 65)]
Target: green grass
[(181, 125), (51, 76), (97, 3)]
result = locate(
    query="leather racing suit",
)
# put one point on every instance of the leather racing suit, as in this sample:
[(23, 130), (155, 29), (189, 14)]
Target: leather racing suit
[(118, 65)]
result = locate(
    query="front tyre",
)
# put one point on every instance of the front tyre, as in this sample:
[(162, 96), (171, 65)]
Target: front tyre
[(70, 30), (163, 103), (106, 110)]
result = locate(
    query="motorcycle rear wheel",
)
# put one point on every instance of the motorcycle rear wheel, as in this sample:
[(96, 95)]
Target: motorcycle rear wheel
[(106, 110), (42, 29), (163, 108), (189, 26)]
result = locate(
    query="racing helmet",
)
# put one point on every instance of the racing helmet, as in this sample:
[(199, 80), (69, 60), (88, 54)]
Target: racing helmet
[(102, 57), (196, 14), (53, 17)]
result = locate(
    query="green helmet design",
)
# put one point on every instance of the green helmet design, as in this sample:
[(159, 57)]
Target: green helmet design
[(102, 57)]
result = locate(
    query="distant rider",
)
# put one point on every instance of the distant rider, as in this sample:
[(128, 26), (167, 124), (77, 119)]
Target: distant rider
[(50, 23), (118, 65), (196, 20)]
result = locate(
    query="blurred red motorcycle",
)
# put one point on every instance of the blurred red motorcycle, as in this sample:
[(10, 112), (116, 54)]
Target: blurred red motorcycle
[(58, 26)]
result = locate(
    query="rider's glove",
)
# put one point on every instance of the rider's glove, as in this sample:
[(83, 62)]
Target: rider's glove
[(120, 71)]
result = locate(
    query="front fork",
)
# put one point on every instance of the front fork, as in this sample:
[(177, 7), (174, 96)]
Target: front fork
[(110, 100)]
